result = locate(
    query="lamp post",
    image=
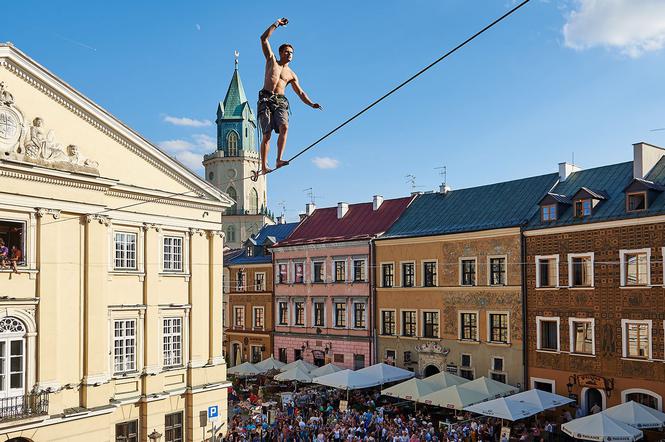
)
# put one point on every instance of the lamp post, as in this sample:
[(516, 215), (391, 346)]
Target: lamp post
[(154, 436)]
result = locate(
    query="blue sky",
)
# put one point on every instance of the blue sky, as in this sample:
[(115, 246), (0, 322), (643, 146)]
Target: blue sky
[(559, 77)]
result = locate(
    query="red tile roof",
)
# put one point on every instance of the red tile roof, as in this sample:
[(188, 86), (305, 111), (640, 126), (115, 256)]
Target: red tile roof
[(359, 222)]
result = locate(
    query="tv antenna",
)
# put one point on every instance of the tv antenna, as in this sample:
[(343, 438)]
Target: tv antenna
[(411, 179), (310, 195), (282, 204), (443, 173)]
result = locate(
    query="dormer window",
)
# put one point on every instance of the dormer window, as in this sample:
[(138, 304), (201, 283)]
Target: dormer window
[(548, 213), (250, 251), (583, 208), (636, 202)]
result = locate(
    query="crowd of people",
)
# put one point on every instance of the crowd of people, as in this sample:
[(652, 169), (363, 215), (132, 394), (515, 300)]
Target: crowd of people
[(323, 415)]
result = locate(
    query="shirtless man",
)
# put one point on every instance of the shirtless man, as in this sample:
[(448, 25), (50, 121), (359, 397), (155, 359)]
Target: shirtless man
[(273, 106)]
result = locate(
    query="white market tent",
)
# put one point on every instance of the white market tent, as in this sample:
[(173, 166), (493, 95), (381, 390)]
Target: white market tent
[(386, 373), (541, 399), (455, 397), (294, 374), (601, 427), (347, 380), (490, 388), (306, 366), (411, 390), (505, 408), (243, 370), (326, 369), (269, 364), (444, 379), (636, 415)]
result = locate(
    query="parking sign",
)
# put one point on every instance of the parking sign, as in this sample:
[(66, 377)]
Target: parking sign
[(213, 412)]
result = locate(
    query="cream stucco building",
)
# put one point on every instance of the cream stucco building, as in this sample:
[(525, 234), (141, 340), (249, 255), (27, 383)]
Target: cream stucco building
[(111, 328)]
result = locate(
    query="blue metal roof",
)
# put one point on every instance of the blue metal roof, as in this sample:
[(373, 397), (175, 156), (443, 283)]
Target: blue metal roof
[(609, 182), (273, 233), (492, 206)]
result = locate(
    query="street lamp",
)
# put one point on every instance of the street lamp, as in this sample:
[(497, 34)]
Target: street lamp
[(154, 436)]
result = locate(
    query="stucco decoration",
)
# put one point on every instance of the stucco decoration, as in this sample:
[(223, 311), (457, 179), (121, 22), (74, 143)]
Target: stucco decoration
[(11, 123), (432, 347)]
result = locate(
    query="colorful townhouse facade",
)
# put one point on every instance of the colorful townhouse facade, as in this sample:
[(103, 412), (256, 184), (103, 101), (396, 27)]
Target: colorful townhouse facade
[(249, 298), (449, 281), (323, 303), (594, 286)]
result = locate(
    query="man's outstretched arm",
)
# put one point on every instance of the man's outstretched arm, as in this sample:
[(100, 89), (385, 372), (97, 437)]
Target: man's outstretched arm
[(265, 44), (303, 96)]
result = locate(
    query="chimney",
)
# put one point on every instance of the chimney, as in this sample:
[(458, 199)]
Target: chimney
[(566, 169), (309, 208), (377, 201), (645, 156), (444, 189), (302, 216), (281, 220), (342, 208)]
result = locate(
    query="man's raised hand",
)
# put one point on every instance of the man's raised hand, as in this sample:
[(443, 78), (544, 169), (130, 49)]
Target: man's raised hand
[(282, 21), (317, 106)]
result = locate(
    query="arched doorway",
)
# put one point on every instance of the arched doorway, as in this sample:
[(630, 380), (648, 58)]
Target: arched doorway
[(19, 439), (593, 397), (431, 370), (236, 354)]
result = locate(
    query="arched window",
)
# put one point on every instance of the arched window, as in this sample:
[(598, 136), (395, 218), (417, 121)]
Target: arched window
[(231, 192), (12, 357), (644, 397), (253, 202), (232, 144), (231, 233)]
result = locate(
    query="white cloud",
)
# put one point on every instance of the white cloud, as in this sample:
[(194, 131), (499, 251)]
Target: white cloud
[(190, 159), (325, 162), (190, 153), (175, 145), (631, 26), (206, 141), (185, 121)]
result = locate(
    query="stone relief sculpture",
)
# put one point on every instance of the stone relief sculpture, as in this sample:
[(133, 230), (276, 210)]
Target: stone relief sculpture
[(11, 122)]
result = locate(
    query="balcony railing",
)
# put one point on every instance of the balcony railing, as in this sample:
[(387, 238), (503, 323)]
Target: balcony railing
[(22, 407)]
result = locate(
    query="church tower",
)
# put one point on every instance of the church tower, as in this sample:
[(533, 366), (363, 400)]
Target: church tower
[(229, 167)]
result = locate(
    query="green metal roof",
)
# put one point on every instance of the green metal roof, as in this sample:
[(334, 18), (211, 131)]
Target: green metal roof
[(235, 98)]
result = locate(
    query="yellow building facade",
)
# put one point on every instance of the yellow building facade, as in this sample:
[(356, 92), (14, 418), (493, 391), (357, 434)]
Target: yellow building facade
[(111, 322)]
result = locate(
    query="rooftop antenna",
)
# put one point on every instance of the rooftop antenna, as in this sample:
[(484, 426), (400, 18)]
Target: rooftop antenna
[(310, 195), (443, 173), (411, 179), (236, 54), (282, 204)]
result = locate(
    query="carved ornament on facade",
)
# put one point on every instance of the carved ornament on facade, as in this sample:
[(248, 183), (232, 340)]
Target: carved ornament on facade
[(212, 233), (11, 123), (101, 219), (432, 347), (148, 226), (42, 212), (193, 231)]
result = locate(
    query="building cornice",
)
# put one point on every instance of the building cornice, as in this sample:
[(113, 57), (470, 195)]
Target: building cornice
[(596, 226), (482, 234), (322, 245)]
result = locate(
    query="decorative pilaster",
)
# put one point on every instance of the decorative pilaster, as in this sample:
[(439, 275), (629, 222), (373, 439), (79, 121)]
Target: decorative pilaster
[(41, 212)]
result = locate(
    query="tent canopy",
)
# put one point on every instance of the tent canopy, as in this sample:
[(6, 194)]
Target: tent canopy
[(269, 364), (294, 374), (542, 399), (243, 370), (601, 427), (347, 380), (637, 415), (326, 369), (306, 366), (386, 373), (455, 397), (505, 408), (490, 388), (444, 379), (411, 390)]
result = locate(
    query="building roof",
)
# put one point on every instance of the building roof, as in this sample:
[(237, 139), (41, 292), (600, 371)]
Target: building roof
[(360, 222), (609, 182), (235, 99), (271, 233), (493, 206)]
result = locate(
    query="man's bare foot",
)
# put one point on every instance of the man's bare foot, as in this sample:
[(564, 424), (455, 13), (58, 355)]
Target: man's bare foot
[(266, 170), (282, 163)]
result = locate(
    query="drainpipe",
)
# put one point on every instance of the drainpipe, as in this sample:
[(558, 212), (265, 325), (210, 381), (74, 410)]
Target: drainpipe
[(372, 297), (525, 320)]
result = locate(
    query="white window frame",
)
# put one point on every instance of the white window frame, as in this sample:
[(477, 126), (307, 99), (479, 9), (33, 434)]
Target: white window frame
[(304, 312), (251, 350), (493, 371), (556, 319), (401, 328), (489, 328), (385, 355), (344, 260), (184, 265), (571, 334), (624, 338), (381, 264), (353, 314), (533, 381), (461, 356), (489, 270), (659, 398), (173, 355), (401, 274), (570, 270), (265, 284), (137, 248), (318, 301), (461, 269), (262, 326), (125, 370), (422, 332), (28, 244), (622, 259), (18, 331), (353, 269), (422, 272), (293, 268), (381, 321), (233, 309), (288, 312), (538, 258), (459, 325), (321, 261), (346, 313)]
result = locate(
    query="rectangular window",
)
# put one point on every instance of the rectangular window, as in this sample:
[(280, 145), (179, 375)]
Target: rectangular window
[(388, 322), (497, 364), (125, 251), (258, 317), (317, 271), (548, 213), (240, 281), (408, 275), (172, 342), (431, 324), (282, 273), (124, 345), (340, 314), (430, 274), (256, 354), (466, 373), (239, 317), (407, 356), (282, 355), (387, 275), (259, 282), (498, 271), (581, 271), (547, 272), (298, 273), (636, 268), (359, 315), (297, 354), (358, 270), (173, 427), (582, 337), (283, 310), (468, 271), (338, 358), (465, 360), (391, 355), (127, 431), (469, 326), (549, 335), (319, 314), (409, 323), (499, 327), (637, 340), (13, 234), (499, 377), (299, 313), (636, 202), (172, 254), (340, 271), (583, 208)]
